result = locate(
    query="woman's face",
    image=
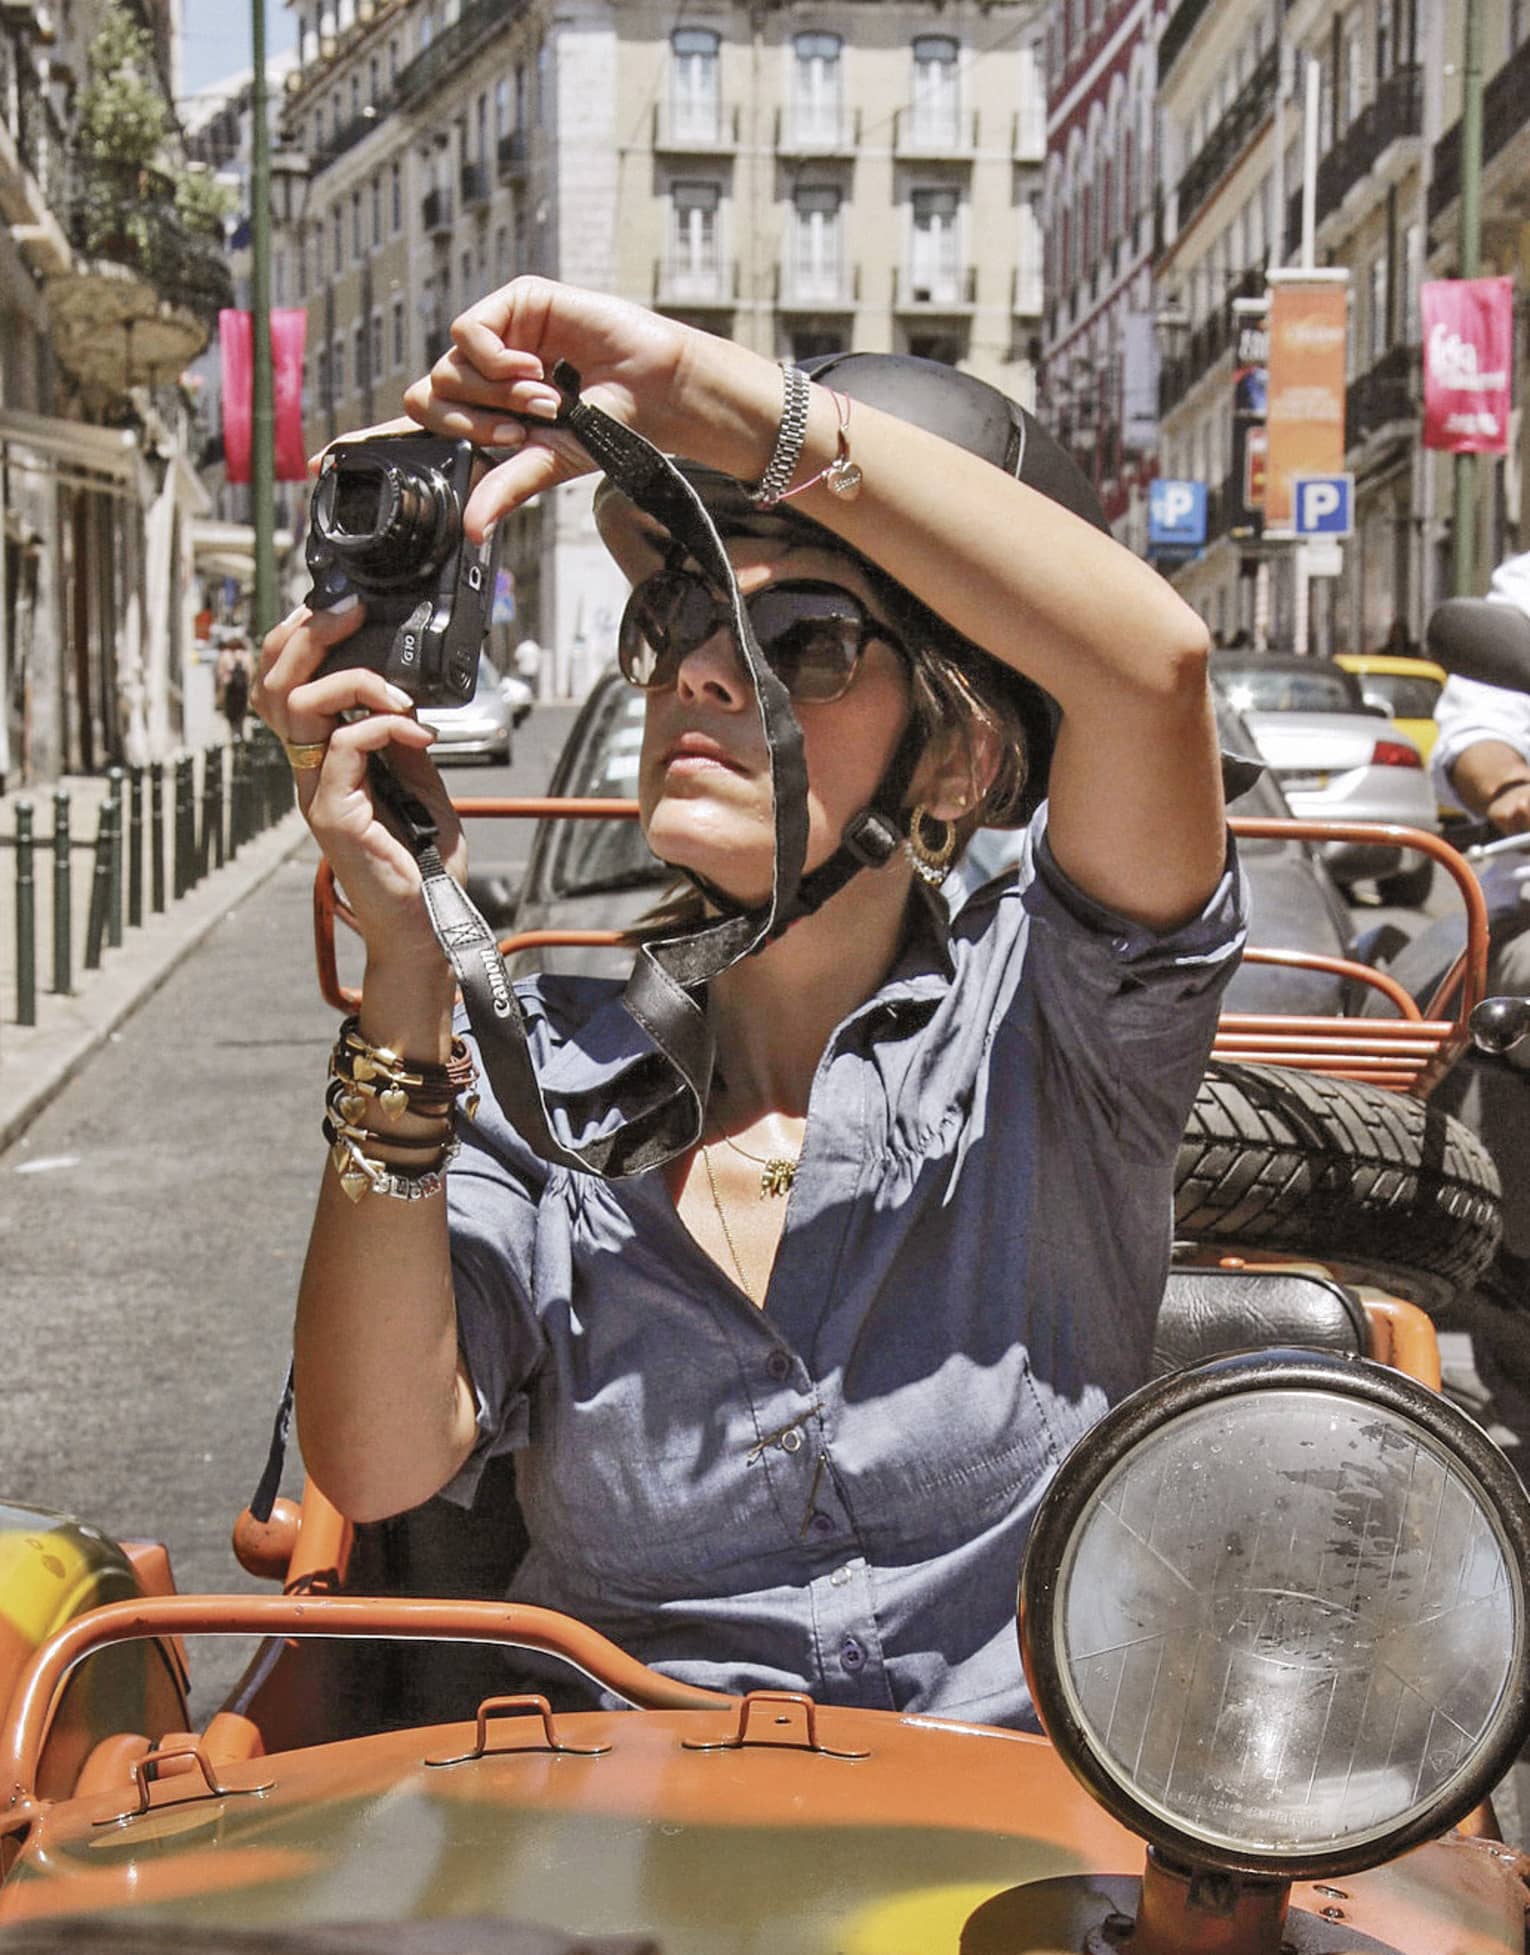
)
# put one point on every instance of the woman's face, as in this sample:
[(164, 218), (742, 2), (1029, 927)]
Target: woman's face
[(704, 777)]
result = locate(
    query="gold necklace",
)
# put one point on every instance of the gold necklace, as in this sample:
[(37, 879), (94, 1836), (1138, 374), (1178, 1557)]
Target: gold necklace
[(743, 1281), (780, 1169)]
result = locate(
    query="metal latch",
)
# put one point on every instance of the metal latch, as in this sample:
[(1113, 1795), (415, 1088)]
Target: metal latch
[(518, 1706), (785, 1720), (146, 1775)]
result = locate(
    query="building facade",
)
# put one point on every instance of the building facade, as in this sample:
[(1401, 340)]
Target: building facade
[(1098, 386), (801, 179), (109, 278)]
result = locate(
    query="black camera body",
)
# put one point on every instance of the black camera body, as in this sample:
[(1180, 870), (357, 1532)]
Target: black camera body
[(386, 524)]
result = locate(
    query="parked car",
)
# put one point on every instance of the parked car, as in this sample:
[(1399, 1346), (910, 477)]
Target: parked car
[(584, 875), (478, 730), (1336, 759), (1405, 689)]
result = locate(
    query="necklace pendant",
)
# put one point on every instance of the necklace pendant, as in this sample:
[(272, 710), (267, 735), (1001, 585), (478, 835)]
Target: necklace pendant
[(780, 1173)]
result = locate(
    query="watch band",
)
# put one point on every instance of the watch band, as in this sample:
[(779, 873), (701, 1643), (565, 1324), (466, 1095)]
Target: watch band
[(790, 436)]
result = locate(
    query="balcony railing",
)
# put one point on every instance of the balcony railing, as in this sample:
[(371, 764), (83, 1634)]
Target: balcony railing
[(819, 288), (1505, 108), (1172, 43), (443, 59), (801, 131), (356, 130), (954, 291), (513, 153), (693, 129), (682, 285), (474, 185), (436, 212), (126, 214), (1206, 345), (921, 133), (40, 137), (1385, 396), (1221, 149)]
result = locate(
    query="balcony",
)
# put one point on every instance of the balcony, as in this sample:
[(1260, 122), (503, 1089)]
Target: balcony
[(1232, 134), (1026, 292), (356, 130), (931, 293), (474, 186), (695, 129), (924, 136), (817, 288), (1505, 108), (33, 172), (684, 285), (1175, 38), (1210, 340), (436, 213), (817, 131), (513, 155), (443, 60), (1385, 398), (1028, 135)]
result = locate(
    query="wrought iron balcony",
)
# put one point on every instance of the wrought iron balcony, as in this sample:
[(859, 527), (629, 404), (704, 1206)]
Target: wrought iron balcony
[(695, 129), (803, 130), (1172, 43), (1505, 108), (436, 212), (513, 153), (684, 285), (922, 134), (474, 185), (816, 288), (125, 215), (1233, 130), (1206, 345), (349, 134), (1385, 396), (443, 59)]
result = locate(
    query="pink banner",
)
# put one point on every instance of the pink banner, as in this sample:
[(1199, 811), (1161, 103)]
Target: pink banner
[(236, 345), (1468, 361), (288, 326), (236, 340)]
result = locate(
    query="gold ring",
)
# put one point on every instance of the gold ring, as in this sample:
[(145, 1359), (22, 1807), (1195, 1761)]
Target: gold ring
[(304, 755)]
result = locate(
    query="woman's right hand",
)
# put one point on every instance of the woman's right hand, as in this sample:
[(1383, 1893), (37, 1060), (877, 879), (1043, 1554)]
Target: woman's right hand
[(301, 706)]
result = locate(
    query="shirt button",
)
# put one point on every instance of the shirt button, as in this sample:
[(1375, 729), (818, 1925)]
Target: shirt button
[(779, 1365), (820, 1523), (840, 1576), (852, 1655)]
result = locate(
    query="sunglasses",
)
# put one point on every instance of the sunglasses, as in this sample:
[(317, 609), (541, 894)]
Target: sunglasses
[(813, 635)]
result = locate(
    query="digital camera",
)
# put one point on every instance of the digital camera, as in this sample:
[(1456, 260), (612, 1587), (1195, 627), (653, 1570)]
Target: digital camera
[(386, 524)]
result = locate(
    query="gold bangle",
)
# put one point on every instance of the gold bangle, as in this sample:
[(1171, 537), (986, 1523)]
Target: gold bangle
[(304, 755)]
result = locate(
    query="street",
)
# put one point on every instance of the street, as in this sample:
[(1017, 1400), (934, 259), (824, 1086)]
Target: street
[(153, 1227)]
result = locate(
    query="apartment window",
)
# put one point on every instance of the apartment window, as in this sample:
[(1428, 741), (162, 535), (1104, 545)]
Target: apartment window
[(337, 367), (1407, 284), (326, 398), (356, 244), (501, 107), (468, 294), (337, 238), (359, 357), (302, 266), (817, 81), (502, 253), (1376, 344), (694, 101), (377, 207), (1354, 70), (544, 84), (935, 265), (695, 260), (520, 95), (355, 97), (817, 266), (393, 61), (334, 116), (400, 344), (375, 350), (936, 107), (1384, 55), (397, 195), (374, 79), (481, 126)]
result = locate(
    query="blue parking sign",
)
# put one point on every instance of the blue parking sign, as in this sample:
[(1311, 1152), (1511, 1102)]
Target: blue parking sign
[(1176, 514), (1321, 504)]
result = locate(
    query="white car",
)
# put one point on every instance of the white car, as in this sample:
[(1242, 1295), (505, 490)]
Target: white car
[(1336, 759), (479, 729)]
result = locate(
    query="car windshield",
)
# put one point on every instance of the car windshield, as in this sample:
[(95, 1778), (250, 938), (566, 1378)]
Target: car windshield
[(1318, 688), (589, 856), (1400, 695)]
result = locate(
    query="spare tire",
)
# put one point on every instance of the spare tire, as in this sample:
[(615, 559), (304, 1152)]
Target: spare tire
[(1382, 1187)]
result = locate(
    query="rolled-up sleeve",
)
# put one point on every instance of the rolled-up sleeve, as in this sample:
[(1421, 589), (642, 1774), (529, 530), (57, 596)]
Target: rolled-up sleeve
[(1467, 712)]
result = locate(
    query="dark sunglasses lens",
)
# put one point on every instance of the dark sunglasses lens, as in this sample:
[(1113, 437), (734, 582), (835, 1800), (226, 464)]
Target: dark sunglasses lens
[(666, 616), (812, 641)]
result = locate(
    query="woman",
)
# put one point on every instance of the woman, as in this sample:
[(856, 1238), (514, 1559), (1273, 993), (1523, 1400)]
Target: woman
[(782, 1409)]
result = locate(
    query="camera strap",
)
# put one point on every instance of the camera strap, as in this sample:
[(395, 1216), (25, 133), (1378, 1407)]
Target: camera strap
[(665, 993)]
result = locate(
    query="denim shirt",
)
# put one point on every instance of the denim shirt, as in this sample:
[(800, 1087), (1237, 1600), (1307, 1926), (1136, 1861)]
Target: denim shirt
[(832, 1493)]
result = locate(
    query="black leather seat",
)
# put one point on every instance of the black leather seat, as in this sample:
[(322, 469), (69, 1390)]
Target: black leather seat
[(1207, 1313)]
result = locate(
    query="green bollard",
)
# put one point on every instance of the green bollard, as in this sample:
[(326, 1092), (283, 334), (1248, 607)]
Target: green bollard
[(63, 896), (114, 914), (100, 889), (135, 847), (185, 829), (26, 919), (157, 837)]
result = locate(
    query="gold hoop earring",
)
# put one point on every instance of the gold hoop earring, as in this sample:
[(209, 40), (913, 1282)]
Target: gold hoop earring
[(931, 845)]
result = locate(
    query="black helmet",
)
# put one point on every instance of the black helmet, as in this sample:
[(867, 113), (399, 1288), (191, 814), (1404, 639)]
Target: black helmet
[(970, 414)]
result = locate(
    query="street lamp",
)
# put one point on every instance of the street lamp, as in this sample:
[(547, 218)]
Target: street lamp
[(291, 179)]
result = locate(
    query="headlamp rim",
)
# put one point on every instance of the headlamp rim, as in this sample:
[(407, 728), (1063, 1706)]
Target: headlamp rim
[(1136, 1419)]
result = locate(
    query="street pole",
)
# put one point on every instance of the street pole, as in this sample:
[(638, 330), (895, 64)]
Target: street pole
[(262, 414), (1301, 609), (1464, 526)]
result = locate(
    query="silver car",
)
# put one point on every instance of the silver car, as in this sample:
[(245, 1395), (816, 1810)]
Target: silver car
[(1336, 759), (478, 730)]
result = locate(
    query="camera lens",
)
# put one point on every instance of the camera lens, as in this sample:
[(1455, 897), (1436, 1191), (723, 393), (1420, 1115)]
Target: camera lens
[(390, 522)]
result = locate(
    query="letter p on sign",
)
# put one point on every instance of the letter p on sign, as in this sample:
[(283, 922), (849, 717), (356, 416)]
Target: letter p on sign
[(1322, 504)]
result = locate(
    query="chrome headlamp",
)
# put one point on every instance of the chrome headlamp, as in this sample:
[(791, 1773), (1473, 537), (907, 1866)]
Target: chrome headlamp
[(1274, 1614)]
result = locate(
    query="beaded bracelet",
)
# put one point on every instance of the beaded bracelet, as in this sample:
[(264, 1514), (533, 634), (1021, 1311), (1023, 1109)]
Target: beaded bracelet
[(420, 1086), (360, 1174)]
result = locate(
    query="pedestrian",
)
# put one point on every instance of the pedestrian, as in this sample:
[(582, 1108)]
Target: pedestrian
[(782, 1402), (235, 671)]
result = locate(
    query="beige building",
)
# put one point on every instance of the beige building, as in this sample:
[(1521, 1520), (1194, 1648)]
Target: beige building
[(800, 178)]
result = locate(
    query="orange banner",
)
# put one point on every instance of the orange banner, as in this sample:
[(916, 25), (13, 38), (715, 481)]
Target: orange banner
[(1306, 398)]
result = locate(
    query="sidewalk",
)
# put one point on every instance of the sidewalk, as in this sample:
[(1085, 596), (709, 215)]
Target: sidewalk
[(36, 1060)]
